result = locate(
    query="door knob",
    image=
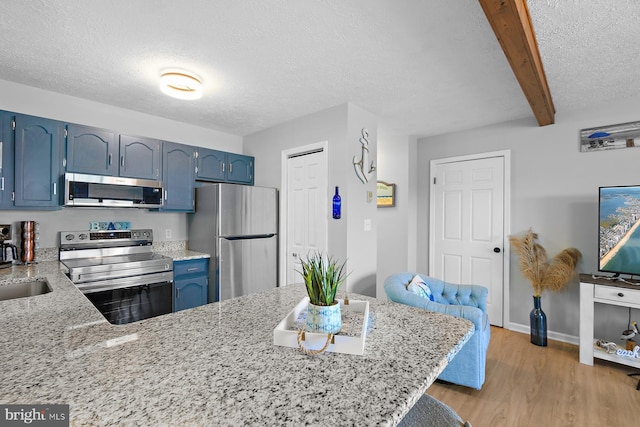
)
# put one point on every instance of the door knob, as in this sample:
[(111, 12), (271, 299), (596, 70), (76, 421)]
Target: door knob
[(496, 250)]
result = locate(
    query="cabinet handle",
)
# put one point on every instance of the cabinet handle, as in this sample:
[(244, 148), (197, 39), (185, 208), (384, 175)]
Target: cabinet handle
[(230, 167), (222, 167), (55, 189), (122, 160), (109, 159), (177, 293), (2, 185), (192, 269), (620, 294), (165, 194)]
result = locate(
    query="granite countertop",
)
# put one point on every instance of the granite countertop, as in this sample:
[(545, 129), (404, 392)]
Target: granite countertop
[(212, 365)]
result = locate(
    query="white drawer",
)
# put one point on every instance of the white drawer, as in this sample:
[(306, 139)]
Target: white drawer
[(620, 295)]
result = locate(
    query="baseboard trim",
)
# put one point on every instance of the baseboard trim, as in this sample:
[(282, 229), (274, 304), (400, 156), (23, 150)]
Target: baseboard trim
[(557, 336)]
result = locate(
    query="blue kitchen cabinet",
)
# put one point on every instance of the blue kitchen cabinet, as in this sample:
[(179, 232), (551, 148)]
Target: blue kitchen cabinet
[(6, 160), (178, 176), (190, 283), (211, 165), (139, 157), (38, 162), (219, 166), (240, 169), (91, 150)]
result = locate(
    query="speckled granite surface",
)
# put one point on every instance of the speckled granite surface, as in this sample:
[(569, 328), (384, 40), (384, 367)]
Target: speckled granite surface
[(214, 364)]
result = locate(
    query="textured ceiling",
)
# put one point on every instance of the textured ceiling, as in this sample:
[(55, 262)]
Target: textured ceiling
[(422, 67)]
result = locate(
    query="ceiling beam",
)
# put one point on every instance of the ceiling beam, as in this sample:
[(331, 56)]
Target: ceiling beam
[(512, 26)]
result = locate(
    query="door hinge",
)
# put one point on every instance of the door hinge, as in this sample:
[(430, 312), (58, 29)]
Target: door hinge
[(434, 179), (66, 133)]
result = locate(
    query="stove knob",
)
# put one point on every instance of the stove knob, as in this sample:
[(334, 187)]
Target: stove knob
[(69, 237), (82, 236), (145, 234)]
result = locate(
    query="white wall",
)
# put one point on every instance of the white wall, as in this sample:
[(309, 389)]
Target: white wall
[(361, 243), (554, 191), (396, 225), (341, 127), (37, 102)]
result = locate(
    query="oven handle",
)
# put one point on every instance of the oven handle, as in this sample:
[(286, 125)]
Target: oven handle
[(125, 282)]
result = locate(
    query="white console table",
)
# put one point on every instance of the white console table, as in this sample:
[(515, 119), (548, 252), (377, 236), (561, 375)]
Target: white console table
[(603, 291)]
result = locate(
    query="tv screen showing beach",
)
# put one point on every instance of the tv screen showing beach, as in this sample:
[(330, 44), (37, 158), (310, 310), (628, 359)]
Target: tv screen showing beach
[(620, 230)]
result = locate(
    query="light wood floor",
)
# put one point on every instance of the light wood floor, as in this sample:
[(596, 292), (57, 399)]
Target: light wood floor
[(527, 385)]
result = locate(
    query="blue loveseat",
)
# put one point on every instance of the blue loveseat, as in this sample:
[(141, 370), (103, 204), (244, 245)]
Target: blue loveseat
[(466, 301)]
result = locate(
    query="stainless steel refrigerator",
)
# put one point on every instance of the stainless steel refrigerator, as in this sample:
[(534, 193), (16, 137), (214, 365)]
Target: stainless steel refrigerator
[(238, 226)]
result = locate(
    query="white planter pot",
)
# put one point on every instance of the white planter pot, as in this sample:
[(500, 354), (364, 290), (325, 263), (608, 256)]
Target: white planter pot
[(324, 319)]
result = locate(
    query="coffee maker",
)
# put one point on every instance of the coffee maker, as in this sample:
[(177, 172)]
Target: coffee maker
[(8, 251)]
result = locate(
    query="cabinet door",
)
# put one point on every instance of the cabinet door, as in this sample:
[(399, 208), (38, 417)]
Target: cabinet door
[(91, 150), (211, 165), (240, 169), (6, 160), (38, 161), (190, 292), (139, 157), (178, 175)]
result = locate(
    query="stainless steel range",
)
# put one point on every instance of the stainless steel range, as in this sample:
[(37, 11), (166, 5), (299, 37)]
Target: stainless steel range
[(119, 273)]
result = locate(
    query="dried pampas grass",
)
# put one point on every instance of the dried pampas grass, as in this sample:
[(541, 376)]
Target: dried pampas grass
[(535, 267)]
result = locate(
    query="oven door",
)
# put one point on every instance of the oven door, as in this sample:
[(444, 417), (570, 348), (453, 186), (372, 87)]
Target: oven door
[(131, 299)]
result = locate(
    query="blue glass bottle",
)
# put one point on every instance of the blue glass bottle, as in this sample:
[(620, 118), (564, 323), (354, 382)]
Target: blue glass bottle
[(337, 205), (538, 320)]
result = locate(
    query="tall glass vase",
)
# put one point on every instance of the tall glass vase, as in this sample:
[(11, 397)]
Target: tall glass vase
[(538, 322)]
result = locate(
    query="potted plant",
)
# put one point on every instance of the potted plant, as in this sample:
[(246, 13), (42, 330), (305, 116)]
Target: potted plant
[(322, 276), (543, 275)]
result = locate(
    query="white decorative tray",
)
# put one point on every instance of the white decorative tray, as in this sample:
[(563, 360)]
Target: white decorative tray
[(350, 340)]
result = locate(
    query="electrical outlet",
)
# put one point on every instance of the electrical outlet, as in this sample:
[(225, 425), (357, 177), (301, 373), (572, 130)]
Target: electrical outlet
[(167, 233)]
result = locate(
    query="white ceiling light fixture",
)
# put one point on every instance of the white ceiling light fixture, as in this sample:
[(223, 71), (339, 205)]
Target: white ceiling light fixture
[(181, 84)]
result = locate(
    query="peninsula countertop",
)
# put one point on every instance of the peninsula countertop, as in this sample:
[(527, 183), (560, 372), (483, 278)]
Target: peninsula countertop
[(212, 365)]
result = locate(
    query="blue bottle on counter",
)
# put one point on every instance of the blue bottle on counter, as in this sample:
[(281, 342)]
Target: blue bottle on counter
[(337, 204)]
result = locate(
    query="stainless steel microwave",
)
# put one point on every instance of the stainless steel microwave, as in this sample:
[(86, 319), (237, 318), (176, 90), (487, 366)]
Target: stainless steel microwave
[(111, 191)]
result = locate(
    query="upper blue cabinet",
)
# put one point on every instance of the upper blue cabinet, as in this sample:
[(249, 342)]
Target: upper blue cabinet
[(6, 160), (211, 165), (103, 152), (38, 162), (139, 157), (219, 166), (92, 151), (240, 169), (178, 176)]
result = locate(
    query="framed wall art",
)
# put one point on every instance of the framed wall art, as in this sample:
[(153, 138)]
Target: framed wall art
[(386, 194), (623, 135)]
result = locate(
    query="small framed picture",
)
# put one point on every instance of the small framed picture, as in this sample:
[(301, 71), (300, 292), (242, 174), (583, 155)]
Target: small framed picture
[(386, 194)]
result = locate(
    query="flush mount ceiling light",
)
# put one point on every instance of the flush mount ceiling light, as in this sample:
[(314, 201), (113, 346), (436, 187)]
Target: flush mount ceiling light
[(181, 84)]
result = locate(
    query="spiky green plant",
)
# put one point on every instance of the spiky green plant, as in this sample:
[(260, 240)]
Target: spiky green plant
[(322, 276), (534, 264)]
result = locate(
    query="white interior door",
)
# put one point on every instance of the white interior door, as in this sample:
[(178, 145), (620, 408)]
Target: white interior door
[(467, 226), (307, 209)]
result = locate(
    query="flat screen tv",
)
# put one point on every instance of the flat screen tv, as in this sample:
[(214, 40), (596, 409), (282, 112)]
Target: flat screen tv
[(619, 244)]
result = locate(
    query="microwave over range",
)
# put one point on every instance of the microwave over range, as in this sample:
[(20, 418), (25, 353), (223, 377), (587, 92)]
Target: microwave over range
[(111, 191)]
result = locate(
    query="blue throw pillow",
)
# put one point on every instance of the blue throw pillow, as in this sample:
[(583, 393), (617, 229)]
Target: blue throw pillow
[(418, 287)]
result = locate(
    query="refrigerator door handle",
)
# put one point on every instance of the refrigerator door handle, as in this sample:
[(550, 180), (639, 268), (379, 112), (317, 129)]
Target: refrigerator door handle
[(255, 236)]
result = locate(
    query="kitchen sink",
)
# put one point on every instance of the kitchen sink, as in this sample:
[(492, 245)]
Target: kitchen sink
[(24, 289)]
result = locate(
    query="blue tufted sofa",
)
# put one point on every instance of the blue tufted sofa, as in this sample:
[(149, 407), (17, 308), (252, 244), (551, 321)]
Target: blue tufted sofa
[(465, 301)]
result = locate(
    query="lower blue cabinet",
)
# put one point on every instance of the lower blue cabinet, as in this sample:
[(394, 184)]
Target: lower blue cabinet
[(190, 283)]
